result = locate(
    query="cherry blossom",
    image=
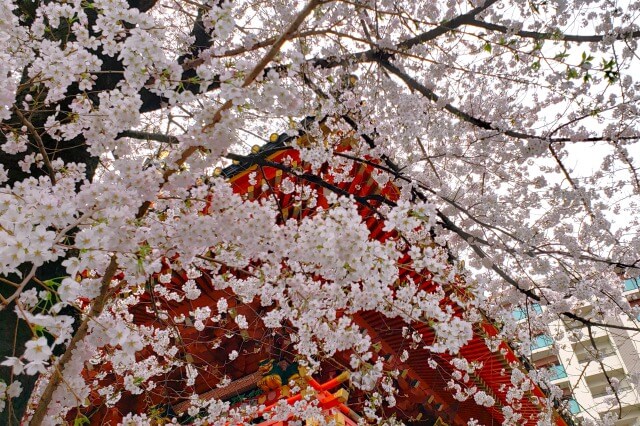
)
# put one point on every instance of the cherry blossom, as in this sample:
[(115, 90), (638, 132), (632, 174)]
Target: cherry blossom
[(502, 143)]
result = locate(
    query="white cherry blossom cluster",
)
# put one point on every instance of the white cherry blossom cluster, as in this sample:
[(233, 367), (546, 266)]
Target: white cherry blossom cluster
[(496, 141)]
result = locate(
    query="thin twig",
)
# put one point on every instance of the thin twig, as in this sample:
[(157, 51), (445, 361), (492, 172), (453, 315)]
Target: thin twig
[(18, 291), (38, 139)]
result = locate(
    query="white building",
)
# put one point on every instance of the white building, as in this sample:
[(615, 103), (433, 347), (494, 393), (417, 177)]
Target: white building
[(579, 369)]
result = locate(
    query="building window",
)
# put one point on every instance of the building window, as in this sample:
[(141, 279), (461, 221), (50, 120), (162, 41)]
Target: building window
[(599, 385), (557, 372), (573, 406), (632, 284), (521, 313), (585, 352), (541, 341)]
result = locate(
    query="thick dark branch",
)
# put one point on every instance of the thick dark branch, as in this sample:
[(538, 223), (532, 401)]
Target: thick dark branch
[(157, 137), (96, 309), (478, 122), (260, 160), (447, 26), (448, 224), (552, 36), (371, 55), (429, 94), (358, 57), (394, 170)]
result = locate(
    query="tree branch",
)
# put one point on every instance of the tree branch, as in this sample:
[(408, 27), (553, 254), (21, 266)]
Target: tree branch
[(478, 122), (157, 137), (6, 301), (311, 178), (445, 27), (255, 72), (566, 174), (372, 54), (551, 36), (627, 160), (507, 278), (39, 143), (56, 377)]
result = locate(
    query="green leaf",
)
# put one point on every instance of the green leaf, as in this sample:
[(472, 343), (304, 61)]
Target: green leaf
[(572, 73), (537, 46), (348, 267), (144, 251), (586, 59), (53, 283), (80, 420), (245, 335), (608, 65), (611, 76), (487, 47)]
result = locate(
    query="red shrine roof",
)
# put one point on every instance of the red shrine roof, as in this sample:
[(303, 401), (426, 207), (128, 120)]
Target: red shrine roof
[(429, 385), (423, 389)]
